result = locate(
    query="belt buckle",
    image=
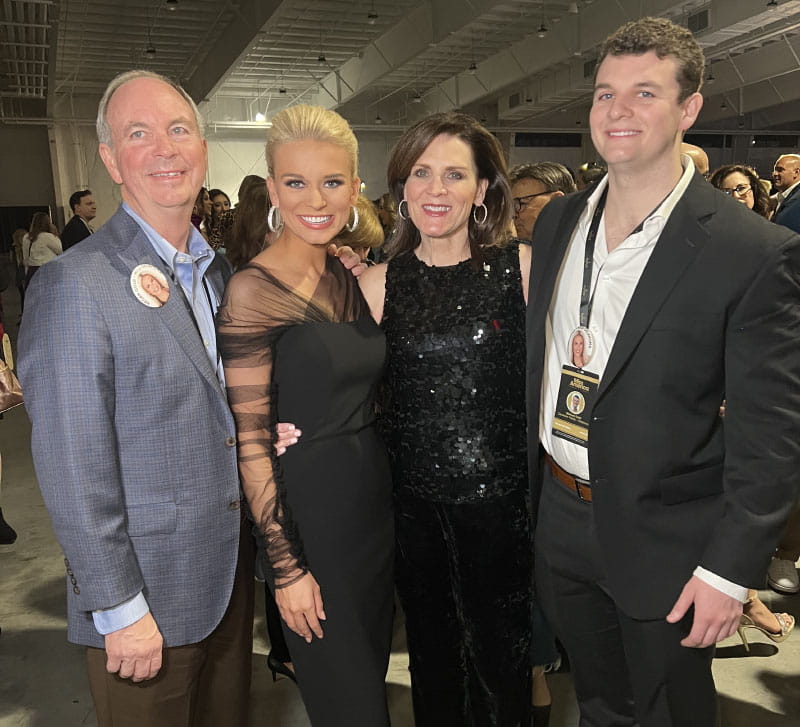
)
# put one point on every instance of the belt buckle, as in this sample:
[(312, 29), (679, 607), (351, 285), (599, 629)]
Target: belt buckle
[(579, 483)]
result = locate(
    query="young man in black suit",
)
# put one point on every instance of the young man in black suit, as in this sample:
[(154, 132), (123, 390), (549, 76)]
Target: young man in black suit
[(84, 211), (654, 515)]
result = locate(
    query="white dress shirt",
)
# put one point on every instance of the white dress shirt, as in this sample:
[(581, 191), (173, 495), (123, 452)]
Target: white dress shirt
[(615, 276)]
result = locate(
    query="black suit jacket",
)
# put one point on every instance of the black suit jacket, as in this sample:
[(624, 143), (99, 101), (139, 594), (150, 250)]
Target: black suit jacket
[(788, 213), (74, 231), (716, 315)]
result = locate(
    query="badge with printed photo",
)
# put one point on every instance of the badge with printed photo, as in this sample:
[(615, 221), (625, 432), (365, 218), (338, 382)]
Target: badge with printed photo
[(149, 285)]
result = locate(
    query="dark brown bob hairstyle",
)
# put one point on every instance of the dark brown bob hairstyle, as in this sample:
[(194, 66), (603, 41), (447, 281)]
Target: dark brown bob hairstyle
[(488, 157)]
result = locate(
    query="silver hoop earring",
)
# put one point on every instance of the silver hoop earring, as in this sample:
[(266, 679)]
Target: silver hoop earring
[(352, 226), (274, 226), (475, 214), (400, 209)]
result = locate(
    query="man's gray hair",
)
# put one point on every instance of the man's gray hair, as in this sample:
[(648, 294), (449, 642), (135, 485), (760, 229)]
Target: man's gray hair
[(554, 176), (104, 135)]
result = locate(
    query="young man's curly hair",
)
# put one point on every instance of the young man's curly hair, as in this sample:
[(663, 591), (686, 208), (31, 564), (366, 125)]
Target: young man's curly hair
[(665, 38)]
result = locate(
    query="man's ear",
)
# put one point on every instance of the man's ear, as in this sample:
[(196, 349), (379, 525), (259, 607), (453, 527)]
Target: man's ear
[(557, 193), (110, 160), (691, 110)]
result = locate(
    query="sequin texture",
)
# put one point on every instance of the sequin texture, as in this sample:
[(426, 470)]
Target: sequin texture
[(452, 407)]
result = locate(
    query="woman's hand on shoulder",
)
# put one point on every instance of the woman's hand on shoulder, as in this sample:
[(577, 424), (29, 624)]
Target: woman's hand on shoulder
[(373, 287), (525, 257), (301, 608), (349, 258)]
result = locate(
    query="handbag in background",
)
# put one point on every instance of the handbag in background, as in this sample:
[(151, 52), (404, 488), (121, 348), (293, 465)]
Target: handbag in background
[(10, 389)]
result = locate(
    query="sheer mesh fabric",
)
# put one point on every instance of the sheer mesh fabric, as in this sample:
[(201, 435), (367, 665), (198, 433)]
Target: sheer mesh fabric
[(257, 309)]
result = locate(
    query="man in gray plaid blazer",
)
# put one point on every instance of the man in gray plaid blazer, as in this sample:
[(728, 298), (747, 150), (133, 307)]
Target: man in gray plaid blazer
[(133, 441)]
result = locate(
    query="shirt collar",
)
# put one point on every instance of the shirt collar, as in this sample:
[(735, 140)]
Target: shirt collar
[(199, 250), (783, 195), (661, 214)]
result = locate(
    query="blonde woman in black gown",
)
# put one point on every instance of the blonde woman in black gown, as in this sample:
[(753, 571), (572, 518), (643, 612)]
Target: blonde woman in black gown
[(297, 342)]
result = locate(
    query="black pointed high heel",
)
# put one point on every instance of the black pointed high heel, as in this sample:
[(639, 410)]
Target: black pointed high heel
[(278, 667)]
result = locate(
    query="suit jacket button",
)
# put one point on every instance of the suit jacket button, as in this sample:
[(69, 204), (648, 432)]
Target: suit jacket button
[(235, 505), (230, 442), (76, 590)]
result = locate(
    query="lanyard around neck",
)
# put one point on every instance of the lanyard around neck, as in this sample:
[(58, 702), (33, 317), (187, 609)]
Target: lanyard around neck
[(587, 299)]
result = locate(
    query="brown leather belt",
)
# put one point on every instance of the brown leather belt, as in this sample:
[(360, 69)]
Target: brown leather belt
[(580, 487)]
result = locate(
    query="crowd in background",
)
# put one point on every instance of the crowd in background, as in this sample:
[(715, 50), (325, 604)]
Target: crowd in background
[(451, 304)]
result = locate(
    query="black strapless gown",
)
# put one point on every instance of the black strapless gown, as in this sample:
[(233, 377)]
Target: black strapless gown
[(325, 506), (338, 490)]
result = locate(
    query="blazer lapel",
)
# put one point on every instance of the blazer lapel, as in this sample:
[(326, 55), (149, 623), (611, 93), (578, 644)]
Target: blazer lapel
[(217, 276), (678, 245), (175, 314), (547, 256), (789, 196)]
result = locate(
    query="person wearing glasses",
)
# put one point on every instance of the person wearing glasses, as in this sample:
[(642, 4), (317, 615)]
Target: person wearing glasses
[(532, 187), (741, 183)]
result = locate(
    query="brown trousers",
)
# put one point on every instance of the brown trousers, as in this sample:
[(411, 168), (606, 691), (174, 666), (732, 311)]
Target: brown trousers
[(199, 685)]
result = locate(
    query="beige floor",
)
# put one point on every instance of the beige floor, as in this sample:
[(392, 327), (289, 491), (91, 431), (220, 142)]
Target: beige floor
[(42, 679)]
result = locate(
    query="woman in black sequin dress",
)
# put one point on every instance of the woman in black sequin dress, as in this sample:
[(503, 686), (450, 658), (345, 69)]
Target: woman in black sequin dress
[(451, 301)]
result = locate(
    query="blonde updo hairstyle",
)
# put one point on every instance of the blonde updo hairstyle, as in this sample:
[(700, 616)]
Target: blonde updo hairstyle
[(313, 123)]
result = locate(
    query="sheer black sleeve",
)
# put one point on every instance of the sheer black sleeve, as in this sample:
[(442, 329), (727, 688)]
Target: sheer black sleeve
[(257, 308)]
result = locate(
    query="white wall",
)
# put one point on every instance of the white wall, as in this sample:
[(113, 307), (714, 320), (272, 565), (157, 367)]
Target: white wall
[(231, 158)]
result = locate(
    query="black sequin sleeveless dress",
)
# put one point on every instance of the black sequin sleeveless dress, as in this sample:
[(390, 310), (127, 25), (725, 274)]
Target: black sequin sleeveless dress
[(452, 413)]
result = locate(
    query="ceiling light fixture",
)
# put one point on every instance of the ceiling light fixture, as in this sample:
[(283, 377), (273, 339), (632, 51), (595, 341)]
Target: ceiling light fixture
[(572, 8), (473, 68), (372, 16), (542, 31), (416, 98), (321, 58), (282, 90), (260, 117), (171, 4), (378, 119), (772, 4), (710, 77), (150, 49), (724, 106)]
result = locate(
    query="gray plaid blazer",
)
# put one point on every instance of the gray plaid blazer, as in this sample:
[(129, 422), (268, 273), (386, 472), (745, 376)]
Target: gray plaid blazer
[(133, 441)]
